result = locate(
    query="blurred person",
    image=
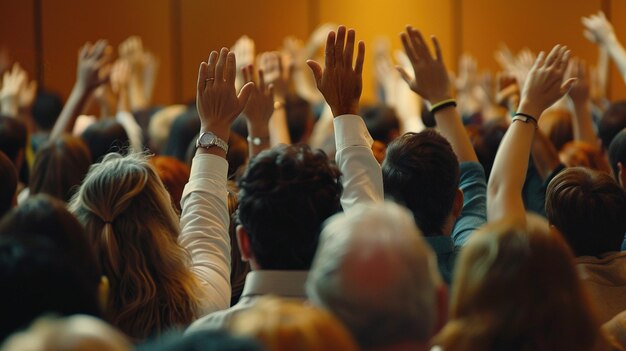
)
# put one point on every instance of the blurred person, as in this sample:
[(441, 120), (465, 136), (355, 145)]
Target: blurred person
[(105, 136), (612, 122), (74, 333), (556, 125), (13, 136), (174, 174), (617, 157), (376, 274), (583, 154), (8, 184), (160, 126), (204, 341), (286, 325), (300, 118), (516, 288), (59, 168)]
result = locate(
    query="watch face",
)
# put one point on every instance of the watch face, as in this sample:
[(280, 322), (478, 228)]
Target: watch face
[(207, 138)]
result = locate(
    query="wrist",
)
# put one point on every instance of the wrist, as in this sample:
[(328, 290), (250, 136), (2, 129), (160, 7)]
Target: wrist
[(435, 99), (220, 132), (529, 108), (345, 110)]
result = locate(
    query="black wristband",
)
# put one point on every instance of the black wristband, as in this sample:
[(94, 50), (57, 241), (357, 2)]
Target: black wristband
[(440, 106)]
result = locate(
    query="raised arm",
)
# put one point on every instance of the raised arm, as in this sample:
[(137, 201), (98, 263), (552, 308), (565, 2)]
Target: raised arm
[(600, 31), (205, 219), (579, 94), (258, 111), (431, 82), (542, 88), (272, 67), (340, 82), (91, 72)]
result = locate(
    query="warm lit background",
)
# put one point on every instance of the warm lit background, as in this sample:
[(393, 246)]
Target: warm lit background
[(44, 35)]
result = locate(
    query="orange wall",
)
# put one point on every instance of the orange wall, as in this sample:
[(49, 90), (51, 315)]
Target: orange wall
[(182, 32), (372, 19)]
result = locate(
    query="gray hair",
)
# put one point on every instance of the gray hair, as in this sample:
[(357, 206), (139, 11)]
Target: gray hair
[(375, 272)]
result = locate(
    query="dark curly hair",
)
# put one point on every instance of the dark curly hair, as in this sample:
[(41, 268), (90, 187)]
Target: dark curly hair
[(284, 197)]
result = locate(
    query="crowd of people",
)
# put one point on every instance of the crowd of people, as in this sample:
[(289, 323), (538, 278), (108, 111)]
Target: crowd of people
[(463, 211)]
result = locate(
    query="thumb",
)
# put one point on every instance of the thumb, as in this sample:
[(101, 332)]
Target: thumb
[(244, 94), (567, 85), (316, 69)]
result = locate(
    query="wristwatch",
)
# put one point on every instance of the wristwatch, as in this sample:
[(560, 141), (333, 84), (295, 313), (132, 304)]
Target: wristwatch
[(207, 140)]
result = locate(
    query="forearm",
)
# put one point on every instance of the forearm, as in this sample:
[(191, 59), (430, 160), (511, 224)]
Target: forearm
[(72, 109), (504, 195), (618, 54), (451, 127), (263, 134), (544, 154), (583, 123), (278, 128)]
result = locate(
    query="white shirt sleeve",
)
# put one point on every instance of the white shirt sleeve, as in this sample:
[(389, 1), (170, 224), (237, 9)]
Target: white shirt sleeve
[(362, 177), (204, 222), (132, 128)]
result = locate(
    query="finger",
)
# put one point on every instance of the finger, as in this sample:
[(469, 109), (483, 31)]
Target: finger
[(552, 56), (567, 85), (244, 95), (408, 48), (438, 54), (339, 43), (330, 50), (231, 68), (245, 71), (219, 67), (349, 51), (539, 61), (212, 62), (360, 58), (270, 91), (261, 81), (563, 60), (405, 76), (202, 76), (420, 45), (317, 71)]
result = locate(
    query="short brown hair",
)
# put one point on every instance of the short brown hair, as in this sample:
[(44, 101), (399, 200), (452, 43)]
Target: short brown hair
[(589, 208)]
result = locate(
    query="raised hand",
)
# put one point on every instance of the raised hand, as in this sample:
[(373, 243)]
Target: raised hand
[(598, 29), (93, 65), (579, 92), (244, 51), (216, 99), (271, 64), (13, 82), (260, 105), (545, 85), (431, 80), (340, 82)]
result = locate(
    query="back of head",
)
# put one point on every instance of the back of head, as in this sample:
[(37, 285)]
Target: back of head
[(556, 124), (161, 124), (130, 221), (39, 278), (382, 122), (299, 118), (174, 174), (516, 288), (184, 128), (105, 136), (617, 153), (486, 141), (59, 167), (42, 216), (12, 137), (376, 274), (285, 195), (612, 122), (75, 333), (8, 183), (46, 109), (421, 172), (285, 326), (588, 207)]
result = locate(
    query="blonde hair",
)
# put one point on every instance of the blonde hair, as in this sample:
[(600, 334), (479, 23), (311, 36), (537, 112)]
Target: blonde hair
[(286, 325), (516, 288), (128, 216)]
